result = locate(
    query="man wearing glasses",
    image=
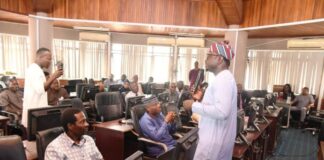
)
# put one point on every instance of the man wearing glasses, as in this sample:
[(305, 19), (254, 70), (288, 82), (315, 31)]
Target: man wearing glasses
[(218, 108)]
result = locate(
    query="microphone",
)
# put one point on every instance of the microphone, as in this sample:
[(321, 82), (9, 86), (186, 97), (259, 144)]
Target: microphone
[(59, 65)]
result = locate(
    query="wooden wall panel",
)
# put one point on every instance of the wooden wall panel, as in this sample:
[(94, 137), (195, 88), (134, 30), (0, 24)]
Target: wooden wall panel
[(266, 12), (17, 6), (206, 13)]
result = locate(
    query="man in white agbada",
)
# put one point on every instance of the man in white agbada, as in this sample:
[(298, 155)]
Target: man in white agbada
[(35, 95), (218, 109)]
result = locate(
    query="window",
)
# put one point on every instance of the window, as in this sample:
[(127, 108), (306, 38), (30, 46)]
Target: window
[(14, 51), (145, 61), (81, 59), (300, 68)]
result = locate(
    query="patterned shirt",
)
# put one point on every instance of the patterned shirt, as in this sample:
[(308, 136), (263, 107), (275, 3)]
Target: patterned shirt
[(63, 147)]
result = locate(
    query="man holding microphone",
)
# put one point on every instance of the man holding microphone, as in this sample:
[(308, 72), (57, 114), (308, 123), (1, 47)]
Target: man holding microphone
[(36, 84), (218, 109)]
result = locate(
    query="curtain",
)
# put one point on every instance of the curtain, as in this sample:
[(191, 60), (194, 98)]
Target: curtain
[(300, 68), (82, 59), (145, 61), (14, 52)]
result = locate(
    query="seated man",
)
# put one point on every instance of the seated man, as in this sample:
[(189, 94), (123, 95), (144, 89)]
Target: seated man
[(157, 127), (134, 91), (56, 93), (124, 88), (303, 103), (73, 144), (11, 99), (173, 93)]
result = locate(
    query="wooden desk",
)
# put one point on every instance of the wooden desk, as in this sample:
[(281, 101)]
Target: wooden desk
[(243, 151), (321, 151), (114, 140), (3, 122), (274, 128)]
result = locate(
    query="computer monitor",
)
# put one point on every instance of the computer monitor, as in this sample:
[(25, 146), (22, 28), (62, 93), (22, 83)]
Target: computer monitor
[(74, 82), (89, 92), (114, 87), (131, 102), (43, 118)]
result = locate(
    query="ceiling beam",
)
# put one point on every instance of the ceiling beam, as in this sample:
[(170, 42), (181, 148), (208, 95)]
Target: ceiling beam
[(43, 5), (232, 10)]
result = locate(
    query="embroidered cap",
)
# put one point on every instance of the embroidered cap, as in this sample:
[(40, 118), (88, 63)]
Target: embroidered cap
[(223, 49)]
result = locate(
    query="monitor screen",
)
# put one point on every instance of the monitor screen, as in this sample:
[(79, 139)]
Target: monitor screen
[(43, 118), (89, 92), (114, 87), (74, 82), (131, 102)]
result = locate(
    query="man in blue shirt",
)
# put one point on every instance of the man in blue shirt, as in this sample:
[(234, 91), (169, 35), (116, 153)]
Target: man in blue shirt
[(157, 127)]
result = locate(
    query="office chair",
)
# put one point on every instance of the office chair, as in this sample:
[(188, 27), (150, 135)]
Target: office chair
[(11, 147), (44, 138), (65, 102), (79, 87), (108, 105), (136, 113)]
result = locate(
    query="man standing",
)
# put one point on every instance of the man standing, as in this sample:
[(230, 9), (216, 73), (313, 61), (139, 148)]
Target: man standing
[(193, 75), (218, 109), (36, 84)]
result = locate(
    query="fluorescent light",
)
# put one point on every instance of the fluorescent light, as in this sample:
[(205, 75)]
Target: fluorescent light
[(91, 28), (197, 35)]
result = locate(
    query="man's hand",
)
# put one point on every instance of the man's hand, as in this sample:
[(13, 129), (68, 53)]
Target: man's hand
[(187, 104), (169, 117), (198, 95), (58, 73)]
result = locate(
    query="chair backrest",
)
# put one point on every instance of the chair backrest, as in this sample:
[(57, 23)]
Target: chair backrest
[(43, 138), (108, 105), (79, 87), (77, 103), (136, 113), (11, 147), (65, 102)]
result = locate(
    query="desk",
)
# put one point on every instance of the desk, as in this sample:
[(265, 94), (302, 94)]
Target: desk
[(115, 141), (274, 128), (3, 122), (321, 151), (284, 104), (258, 139)]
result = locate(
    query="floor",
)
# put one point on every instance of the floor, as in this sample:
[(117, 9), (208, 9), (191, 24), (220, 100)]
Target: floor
[(296, 144)]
